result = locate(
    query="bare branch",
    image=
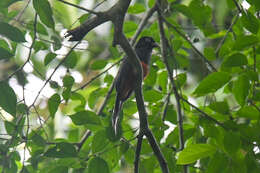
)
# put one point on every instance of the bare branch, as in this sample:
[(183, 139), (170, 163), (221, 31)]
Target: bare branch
[(212, 68), (79, 7), (164, 43), (137, 153)]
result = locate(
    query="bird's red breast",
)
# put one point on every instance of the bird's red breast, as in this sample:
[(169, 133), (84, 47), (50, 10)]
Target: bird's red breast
[(145, 69)]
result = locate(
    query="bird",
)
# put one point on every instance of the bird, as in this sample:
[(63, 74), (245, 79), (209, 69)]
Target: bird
[(125, 80)]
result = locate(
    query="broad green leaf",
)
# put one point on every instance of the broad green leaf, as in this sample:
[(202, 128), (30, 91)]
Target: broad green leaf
[(163, 80), (256, 3), (136, 8), (209, 53), (250, 22), (7, 98), (97, 165), (71, 60), (231, 142), (88, 118), (9, 127), (130, 28), (151, 3), (83, 18), (220, 107), (43, 9), (53, 104), (212, 83), (61, 150), (98, 64), (99, 142), (249, 112), (5, 54), (195, 152), (236, 59), (245, 41), (124, 146), (11, 32), (68, 81), (37, 139), (217, 163), (241, 89), (181, 79), (6, 3), (152, 96), (49, 57)]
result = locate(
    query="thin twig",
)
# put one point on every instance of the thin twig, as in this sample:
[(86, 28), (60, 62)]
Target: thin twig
[(224, 38), (212, 68), (79, 7), (137, 153), (49, 78), (204, 114)]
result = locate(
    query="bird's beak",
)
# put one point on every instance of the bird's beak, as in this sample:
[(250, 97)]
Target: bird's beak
[(155, 45)]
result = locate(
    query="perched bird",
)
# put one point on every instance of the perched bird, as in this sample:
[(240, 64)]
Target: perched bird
[(126, 78)]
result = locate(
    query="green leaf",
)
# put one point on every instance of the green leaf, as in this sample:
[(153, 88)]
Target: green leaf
[(11, 32), (181, 79), (245, 41), (99, 141), (241, 89), (61, 150), (49, 57), (152, 96), (71, 60), (7, 98), (68, 81), (212, 83), (136, 8), (37, 139), (249, 112), (10, 127), (97, 165), (53, 104), (234, 60), (6, 3), (163, 80), (231, 142), (250, 22), (43, 9), (83, 18), (209, 53), (195, 152), (130, 28), (218, 163), (151, 3), (5, 54), (98, 64), (88, 118), (220, 107), (256, 3)]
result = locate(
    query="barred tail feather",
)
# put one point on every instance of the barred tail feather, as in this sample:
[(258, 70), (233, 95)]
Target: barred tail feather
[(116, 113)]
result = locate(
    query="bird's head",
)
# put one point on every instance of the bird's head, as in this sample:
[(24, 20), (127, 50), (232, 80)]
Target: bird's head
[(146, 43)]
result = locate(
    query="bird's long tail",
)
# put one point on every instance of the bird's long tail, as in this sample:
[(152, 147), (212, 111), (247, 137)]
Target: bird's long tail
[(116, 113)]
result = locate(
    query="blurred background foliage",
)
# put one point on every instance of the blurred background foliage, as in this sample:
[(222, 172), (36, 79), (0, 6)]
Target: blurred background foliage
[(48, 105)]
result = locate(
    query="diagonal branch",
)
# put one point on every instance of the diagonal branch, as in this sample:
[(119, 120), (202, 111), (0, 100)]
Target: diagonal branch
[(212, 68), (164, 43)]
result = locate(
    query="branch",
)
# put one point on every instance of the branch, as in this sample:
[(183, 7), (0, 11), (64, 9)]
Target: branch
[(79, 7), (137, 153), (164, 43), (212, 68), (204, 114), (224, 38)]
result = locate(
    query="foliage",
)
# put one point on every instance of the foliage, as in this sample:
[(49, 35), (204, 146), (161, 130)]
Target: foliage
[(52, 90)]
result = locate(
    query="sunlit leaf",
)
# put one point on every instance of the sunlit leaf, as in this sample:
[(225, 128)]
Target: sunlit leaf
[(241, 89), (212, 83), (195, 152)]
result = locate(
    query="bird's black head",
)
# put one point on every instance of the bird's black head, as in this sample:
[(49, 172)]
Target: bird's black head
[(146, 43), (144, 48)]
